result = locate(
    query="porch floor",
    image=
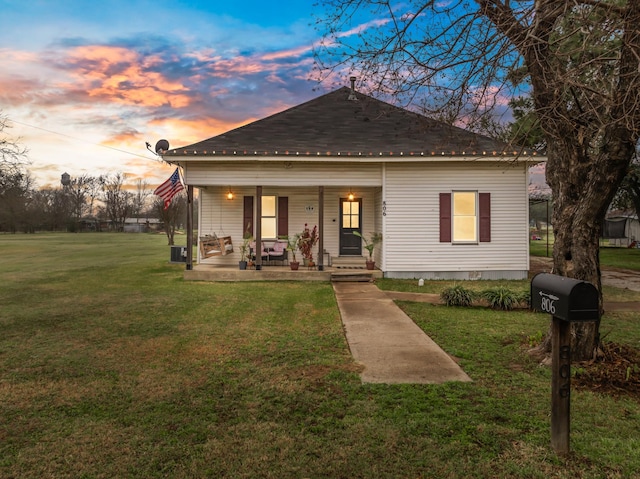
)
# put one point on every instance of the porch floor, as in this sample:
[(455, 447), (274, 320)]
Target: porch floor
[(208, 272)]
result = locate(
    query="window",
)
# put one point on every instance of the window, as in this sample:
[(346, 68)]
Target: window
[(351, 214), (275, 216), (269, 217), (465, 217)]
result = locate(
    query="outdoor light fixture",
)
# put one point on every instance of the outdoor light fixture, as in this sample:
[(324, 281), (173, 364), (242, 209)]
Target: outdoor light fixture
[(351, 196), (230, 195)]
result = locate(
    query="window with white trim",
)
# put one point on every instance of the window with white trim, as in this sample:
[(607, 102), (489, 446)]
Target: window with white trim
[(269, 217), (464, 216)]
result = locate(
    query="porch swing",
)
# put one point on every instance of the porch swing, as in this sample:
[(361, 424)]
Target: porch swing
[(214, 244)]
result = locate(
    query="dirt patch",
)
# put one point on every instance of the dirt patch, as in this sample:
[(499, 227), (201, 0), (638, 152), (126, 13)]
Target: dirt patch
[(615, 372), (539, 264)]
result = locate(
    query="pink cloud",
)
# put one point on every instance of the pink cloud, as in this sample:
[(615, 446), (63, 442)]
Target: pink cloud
[(117, 74)]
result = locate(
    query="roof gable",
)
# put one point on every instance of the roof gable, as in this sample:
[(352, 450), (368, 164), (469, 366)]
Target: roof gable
[(333, 124)]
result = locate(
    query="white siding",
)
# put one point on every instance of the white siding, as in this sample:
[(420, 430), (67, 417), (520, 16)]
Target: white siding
[(282, 173), (412, 242)]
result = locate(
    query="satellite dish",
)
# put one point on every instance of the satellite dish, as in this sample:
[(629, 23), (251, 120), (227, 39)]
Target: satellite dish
[(162, 147)]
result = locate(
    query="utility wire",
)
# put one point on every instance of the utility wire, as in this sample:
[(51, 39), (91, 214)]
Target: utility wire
[(80, 139)]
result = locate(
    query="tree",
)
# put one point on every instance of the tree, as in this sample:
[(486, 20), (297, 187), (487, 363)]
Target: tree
[(140, 199), (15, 182), (580, 58), (118, 203), (628, 196), (15, 195), (173, 216), (81, 192), (50, 209), (12, 155)]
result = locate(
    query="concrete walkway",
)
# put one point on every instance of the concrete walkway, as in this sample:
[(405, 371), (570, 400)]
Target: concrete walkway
[(390, 346)]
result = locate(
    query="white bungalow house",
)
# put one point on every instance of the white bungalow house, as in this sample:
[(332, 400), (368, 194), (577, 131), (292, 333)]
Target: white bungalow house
[(449, 203)]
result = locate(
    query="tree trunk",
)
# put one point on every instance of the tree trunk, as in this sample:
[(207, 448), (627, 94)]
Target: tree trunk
[(583, 183)]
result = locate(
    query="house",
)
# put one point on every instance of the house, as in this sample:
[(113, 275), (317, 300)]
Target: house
[(449, 203)]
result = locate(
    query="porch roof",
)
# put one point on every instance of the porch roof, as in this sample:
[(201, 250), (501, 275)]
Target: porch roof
[(335, 125)]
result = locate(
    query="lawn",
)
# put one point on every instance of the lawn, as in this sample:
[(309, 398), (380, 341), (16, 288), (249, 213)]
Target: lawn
[(112, 366), (610, 256)]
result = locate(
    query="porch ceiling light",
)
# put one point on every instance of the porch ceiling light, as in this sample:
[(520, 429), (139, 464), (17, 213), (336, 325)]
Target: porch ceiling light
[(351, 196)]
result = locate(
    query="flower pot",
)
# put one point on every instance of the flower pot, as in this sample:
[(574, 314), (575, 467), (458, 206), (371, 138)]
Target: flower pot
[(370, 264), (242, 264), (294, 265)]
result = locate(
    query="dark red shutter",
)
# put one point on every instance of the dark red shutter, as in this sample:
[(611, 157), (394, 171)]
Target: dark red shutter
[(445, 217), (283, 216), (484, 200), (247, 216)]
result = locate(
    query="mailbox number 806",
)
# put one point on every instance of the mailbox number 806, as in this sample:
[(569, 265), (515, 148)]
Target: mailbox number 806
[(547, 305)]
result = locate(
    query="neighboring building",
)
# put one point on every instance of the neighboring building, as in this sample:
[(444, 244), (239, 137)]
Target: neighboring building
[(621, 229), (449, 203), (142, 225)]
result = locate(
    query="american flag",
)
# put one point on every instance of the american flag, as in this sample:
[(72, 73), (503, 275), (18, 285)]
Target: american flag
[(169, 188)]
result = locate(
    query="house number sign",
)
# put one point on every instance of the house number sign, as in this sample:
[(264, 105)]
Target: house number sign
[(384, 208), (547, 302)]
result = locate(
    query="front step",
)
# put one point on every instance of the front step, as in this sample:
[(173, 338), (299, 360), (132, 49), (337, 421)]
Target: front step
[(352, 269), (352, 276), (348, 262)]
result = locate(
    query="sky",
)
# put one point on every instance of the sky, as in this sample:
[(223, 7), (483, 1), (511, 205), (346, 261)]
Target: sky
[(85, 84)]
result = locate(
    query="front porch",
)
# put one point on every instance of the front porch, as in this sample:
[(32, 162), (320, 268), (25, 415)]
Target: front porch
[(208, 272)]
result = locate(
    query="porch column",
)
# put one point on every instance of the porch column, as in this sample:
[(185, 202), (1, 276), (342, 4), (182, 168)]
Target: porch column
[(320, 228), (258, 229), (189, 265)]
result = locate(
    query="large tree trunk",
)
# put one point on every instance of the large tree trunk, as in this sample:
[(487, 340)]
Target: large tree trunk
[(589, 151), (583, 183)]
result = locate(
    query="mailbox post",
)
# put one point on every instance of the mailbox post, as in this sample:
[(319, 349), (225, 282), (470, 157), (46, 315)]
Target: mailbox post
[(566, 300)]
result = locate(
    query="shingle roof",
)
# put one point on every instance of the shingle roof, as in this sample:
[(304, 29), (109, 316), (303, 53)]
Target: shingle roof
[(333, 125)]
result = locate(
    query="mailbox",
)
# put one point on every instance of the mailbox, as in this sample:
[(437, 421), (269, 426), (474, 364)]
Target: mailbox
[(565, 298)]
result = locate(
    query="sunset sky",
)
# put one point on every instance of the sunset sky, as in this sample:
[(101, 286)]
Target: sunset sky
[(86, 84)]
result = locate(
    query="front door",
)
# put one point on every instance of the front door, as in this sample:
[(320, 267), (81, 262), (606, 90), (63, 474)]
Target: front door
[(350, 221)]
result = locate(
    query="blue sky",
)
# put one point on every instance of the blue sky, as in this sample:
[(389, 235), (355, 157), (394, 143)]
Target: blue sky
[(85, 84)]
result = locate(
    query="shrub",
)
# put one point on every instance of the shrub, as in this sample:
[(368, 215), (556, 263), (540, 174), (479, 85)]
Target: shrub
[(457, 296), (501, 298), (525, 298)]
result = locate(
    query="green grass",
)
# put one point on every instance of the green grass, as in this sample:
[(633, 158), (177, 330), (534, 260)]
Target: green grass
[(111, 365), (610, 256), (540, 248)]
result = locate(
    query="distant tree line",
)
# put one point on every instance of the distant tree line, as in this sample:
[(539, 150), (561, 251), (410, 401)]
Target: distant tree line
[(81, 203)]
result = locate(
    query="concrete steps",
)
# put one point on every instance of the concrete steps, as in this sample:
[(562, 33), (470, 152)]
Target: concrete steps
[(350, 269), (352, 277), (348, 262)]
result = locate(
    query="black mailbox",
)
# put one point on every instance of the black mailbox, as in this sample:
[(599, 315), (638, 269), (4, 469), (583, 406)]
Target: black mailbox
[(565, 298)]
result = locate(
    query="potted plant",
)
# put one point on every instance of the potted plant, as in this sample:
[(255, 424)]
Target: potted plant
[(306, 241), (370, 246), (244, 249), (292, 245)]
